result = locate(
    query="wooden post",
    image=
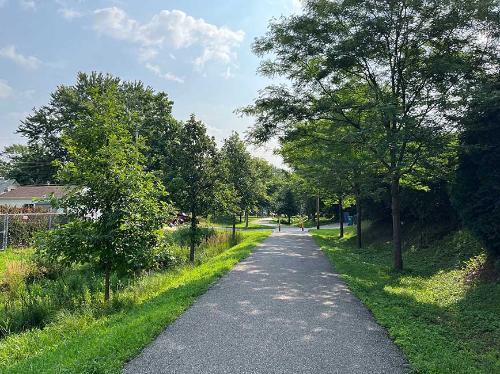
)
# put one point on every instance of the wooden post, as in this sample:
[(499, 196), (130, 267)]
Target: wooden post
[(341, 218), (317, 211)]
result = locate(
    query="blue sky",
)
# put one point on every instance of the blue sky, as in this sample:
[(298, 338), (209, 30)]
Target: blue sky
[(198, 51)]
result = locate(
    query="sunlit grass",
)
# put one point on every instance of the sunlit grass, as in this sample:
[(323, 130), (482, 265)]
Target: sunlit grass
[(442, 323), (83, 343)]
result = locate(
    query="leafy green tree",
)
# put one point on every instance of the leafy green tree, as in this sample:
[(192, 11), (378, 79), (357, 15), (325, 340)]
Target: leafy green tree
[(476, 192), (195, 174), (114, 203), (28, 164), (390, 71), (334, 163), (149, 116), (240, 173), (268, 181), (286, 202)]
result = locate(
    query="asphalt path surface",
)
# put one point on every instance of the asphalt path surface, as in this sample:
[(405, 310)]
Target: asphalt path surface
[(282, 310)]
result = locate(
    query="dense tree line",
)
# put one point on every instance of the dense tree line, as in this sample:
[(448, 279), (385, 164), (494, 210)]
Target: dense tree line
[(374, 96), (130, 167)]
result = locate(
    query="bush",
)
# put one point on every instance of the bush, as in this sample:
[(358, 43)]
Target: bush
[(23, 228), (37, 292), (173, 246)]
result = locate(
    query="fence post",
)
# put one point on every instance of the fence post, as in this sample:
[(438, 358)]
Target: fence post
[(5, 232), (50, 221)]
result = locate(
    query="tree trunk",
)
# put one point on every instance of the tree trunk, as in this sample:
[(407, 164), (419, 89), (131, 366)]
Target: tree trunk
[(193, 236), (317, 212), (246, 219), (107, 276), (289, 219), (234, 228), (358, 219), (279, 222), (240, 217), (396, 223), (341, 218)]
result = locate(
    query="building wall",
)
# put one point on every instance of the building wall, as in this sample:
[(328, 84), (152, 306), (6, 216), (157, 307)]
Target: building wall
[(19, 203)]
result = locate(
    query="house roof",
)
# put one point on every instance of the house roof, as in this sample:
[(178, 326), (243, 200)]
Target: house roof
[(5, 184), (30, 192)]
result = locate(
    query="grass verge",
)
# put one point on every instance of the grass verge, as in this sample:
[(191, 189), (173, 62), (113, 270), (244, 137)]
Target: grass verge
[(86, 344), (252, 223), (442, 323)]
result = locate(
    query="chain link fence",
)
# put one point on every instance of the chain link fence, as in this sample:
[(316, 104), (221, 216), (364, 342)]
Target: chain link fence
[(18, 229)]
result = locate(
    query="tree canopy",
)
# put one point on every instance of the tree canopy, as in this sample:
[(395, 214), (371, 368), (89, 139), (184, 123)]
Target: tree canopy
[(390, 72), (114, 203)]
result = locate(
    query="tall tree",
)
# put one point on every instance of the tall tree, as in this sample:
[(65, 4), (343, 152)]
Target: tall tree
[(149, 115), (240, 173), (332, 161), (476, 192), (28, 164), (391, 71), (285, 200), (114, 203), (194, 175)]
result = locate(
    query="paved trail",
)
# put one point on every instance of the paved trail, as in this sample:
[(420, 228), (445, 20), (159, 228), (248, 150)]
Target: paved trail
[(282, 310)]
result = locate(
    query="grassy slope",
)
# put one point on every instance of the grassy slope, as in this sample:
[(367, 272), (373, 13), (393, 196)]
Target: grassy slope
[(83, 344), (442, 324)]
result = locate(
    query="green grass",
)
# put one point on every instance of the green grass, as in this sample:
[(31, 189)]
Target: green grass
[(86, 344), (295, 221), (252, 223), (442, 323), (13, 255)]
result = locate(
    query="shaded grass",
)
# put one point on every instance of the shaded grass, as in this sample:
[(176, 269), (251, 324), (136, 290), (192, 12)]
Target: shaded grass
[(84, 344), (442, 323)]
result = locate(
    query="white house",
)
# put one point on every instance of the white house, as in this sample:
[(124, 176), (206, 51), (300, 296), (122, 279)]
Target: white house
[(31, 196)]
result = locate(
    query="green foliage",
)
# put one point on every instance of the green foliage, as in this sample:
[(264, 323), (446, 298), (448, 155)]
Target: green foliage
[(477, 186), (149, 115), (36, 291), (195, 177), (103, 342), (23, 229), (28, 164), (443, 322), (387, 75), (240, 174), (286, 204), (114, 203)]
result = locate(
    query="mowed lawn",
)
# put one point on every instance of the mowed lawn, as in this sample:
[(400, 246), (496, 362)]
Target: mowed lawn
[(442, 323), (88, 344)]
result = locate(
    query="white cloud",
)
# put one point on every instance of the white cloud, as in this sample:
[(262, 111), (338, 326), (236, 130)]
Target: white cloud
[(5, 89), (69, 14), (174, 29), (147, 54), (29, 62), (167, 76)]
